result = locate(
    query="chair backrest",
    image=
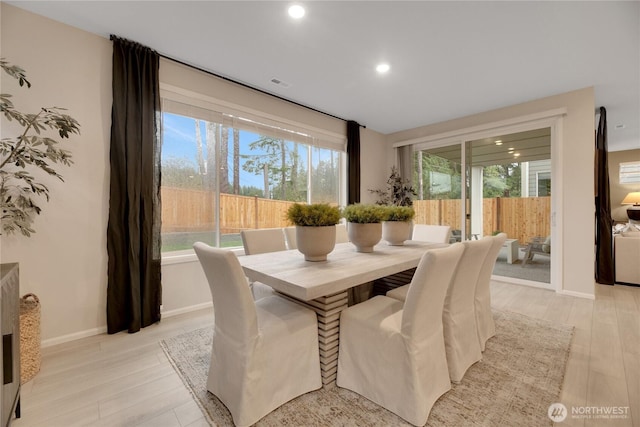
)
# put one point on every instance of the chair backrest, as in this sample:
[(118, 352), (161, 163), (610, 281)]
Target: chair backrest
[(461, 293), (422, 313), (431, 233), (490, 260), (263, 240), (233, 304), (341, 234), (290, 236)]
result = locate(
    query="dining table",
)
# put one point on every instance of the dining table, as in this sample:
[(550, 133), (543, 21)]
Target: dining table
[(323, 285)]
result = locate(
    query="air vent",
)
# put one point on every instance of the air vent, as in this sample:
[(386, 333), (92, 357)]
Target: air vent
[(279, 82)]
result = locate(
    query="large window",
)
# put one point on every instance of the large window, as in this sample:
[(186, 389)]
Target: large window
[(222, 173)]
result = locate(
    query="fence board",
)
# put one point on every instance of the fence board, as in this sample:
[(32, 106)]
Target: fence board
[(193, 210)]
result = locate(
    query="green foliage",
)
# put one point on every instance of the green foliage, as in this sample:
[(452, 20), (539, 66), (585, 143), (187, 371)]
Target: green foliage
[(399, 213), (314, 215), (19, 189), (364, 214), (398, 191)]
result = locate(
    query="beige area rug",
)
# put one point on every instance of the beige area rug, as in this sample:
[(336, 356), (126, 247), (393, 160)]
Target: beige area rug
[(519, 376)]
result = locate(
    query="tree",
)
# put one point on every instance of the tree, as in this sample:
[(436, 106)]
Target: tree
[(31, 149), (180, 172), (236, 161), (279, 161)]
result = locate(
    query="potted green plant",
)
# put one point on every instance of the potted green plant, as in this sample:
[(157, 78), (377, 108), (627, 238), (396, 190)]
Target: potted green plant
[(25, 157), (364, 225), (315, 228), (396, 227)]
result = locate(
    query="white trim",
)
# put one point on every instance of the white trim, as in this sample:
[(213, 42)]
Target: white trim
[(511, 125), (200, 100), (523, 282), (75, 336), (188, 309), (577, 294), (188, 255)]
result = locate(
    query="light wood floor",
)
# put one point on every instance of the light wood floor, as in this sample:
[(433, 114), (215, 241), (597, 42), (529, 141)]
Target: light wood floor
[(126, 380)]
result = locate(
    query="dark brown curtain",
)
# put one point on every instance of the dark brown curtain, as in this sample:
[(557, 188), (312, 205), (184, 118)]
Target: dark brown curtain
[(353, 165), (133, 234), (604, 222)]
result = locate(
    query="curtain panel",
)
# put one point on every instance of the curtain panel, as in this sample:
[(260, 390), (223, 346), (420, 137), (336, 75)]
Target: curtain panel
[(604, 222), (353, 165), (134, 290)]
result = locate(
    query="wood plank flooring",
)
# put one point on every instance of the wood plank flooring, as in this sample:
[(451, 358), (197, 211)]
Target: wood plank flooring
[(126, 380)]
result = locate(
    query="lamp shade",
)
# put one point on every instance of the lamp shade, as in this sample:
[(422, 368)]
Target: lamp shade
[(632, 199)]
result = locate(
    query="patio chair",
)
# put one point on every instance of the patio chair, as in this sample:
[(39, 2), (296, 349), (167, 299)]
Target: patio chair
[(537, 246)]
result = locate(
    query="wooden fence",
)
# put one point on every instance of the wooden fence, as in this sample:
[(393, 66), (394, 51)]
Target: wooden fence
[(193, 210)]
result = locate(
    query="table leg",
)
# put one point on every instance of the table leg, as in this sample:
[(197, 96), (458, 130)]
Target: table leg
[(328, 309)]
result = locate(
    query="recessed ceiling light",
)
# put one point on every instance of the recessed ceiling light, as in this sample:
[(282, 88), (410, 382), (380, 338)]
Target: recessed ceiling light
[(516, 154), (296, 11), (498, 142), (383, 68)]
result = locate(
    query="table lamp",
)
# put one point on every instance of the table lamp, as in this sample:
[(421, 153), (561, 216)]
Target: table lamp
[(633, 212)]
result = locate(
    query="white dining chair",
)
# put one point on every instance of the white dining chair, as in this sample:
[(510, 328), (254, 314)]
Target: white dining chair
[(259, 241), (458, 316), (431, 233), (393, 353), (262, 240), (341, 234), (290, 237), (482, 306), (264, 352)]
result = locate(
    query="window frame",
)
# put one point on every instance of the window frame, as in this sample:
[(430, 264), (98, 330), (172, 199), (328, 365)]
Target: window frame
[(183, 102)]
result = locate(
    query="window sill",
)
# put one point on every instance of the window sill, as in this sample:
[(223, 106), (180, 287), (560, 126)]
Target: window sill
[(182, 257)]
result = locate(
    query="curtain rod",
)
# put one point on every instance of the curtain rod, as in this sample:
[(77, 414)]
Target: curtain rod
[(252, 88)]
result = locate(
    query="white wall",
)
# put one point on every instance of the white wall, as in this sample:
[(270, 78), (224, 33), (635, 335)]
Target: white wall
[(576, 174), (65, 261)]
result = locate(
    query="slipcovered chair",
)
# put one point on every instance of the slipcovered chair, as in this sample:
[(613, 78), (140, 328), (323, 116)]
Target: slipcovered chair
[(458, 315), (431, 233), (341, 234), (290, 237), (264, 353), (260, 241), (484, 315), (393, 353)]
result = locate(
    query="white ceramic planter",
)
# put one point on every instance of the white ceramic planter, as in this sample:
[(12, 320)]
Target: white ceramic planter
[(364, 236), (315, 243), (396, 232)]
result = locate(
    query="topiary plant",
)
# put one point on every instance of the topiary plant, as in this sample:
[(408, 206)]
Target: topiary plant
[(363, 213), (30, 149), (399, 213), (313, 215)]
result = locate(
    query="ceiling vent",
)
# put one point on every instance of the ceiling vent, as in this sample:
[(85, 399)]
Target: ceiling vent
[(280, 83)]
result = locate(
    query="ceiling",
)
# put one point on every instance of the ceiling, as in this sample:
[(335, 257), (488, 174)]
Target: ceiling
[(448, 59), (503, 149)]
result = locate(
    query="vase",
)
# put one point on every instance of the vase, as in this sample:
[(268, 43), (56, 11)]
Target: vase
[(315, 243), (365, 236), (396, 232)]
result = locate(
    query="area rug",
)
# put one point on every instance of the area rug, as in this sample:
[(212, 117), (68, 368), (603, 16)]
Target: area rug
[(519, 376)]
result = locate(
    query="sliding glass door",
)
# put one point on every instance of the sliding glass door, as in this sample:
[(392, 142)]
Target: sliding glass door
[(486, 186)]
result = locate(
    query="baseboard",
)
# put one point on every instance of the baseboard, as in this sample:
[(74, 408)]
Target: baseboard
[(103, 329), (189, 309), (72, 337), (523, 282), (576, 294)]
